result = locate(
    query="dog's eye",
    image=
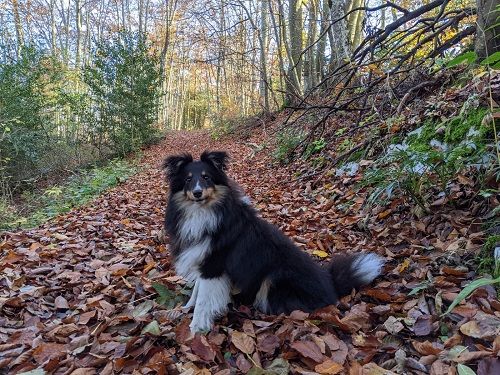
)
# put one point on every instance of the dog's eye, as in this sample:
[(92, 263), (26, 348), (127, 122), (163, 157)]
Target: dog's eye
[(188, 179), (206, 177)]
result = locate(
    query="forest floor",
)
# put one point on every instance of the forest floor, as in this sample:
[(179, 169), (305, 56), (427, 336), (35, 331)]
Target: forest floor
[(93, 291)]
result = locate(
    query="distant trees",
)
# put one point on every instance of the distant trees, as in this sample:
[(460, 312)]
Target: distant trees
[(216, 61)]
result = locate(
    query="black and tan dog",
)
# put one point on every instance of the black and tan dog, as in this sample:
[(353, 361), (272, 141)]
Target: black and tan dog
[(220, 245)]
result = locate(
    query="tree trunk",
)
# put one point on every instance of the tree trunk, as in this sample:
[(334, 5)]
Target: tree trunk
[(264, 79), (358, 28), (354, 22), (78, 16), (340, 46), (141, 14), (321, 47), (294, 87), (170, 8), (279, 42), (310, 61), (19, 27), (53, 48), (488, 28)]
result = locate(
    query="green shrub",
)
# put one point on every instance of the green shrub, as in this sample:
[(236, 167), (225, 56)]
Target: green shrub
[(287, 141), (35, 105), (123, 80)]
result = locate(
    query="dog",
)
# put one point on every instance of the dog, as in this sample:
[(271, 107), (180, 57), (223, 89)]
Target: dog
[(228, 253)]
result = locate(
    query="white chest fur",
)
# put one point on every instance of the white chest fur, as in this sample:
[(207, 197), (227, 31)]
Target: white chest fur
[(194, 231), (196, 222)]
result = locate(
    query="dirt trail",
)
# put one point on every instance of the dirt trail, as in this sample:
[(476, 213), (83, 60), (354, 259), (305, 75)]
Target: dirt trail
[(77, 295)]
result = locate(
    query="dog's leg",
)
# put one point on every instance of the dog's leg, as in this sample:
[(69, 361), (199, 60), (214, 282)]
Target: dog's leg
[(194, 295), (212, 299)]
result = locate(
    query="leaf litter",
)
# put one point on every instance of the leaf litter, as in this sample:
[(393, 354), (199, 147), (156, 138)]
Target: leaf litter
[(93, 291)]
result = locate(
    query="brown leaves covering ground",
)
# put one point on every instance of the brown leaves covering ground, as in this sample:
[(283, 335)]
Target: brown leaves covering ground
[(79, 295)]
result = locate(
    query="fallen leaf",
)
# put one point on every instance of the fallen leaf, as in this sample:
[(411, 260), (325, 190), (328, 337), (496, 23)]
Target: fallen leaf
[(61, 303), (46, 351), (308, 349), (202, 348), (152, 328), (393, 325), (320, 253), (243, 342), (329, 367)]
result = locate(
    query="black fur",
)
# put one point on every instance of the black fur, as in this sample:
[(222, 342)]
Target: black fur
[(251, 251)]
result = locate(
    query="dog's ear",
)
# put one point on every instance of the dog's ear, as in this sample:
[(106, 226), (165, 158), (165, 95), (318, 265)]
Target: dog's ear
[(173, 164), (218, 159)]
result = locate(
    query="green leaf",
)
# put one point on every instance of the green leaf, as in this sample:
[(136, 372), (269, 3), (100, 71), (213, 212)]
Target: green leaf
[(165, 294), (142, 309), (465, 370), (152, 328), (418, 288), (491, 59), (162, 290), (467, 56), (469, 289)]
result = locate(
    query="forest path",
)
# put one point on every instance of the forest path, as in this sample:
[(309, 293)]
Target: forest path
[(77, 294)]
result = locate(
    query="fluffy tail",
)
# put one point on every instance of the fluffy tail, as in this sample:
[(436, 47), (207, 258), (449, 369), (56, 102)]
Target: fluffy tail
[(353, 271)]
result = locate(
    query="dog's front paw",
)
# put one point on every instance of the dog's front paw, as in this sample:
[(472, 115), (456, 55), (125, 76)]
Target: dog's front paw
[(200, 325), (195, 328)]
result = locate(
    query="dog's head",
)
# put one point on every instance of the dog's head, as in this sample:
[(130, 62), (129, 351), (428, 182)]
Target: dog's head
[(198, 181)]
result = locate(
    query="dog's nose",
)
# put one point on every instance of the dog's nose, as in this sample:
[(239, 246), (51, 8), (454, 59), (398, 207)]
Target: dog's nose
[(197, 193)]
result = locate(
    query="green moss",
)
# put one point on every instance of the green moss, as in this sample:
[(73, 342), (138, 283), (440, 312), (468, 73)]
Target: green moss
[(485, 260), (356, 156), (420, 142), (318, 161), (458, 127), (315, 147)]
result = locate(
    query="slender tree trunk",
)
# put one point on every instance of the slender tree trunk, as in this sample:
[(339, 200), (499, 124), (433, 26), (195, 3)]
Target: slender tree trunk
[(321, 46), (53, 48), (146, 18), (141, 14), (78, 17), (170, 9), (310, 61), (358, 28), (294, 89), (352, 20), (19, 27), (277, 35), (264, 78), (339, 44)]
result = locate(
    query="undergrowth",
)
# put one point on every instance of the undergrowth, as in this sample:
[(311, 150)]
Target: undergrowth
[(38, 207), (489, 262), (429, 158), (286, 142)]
